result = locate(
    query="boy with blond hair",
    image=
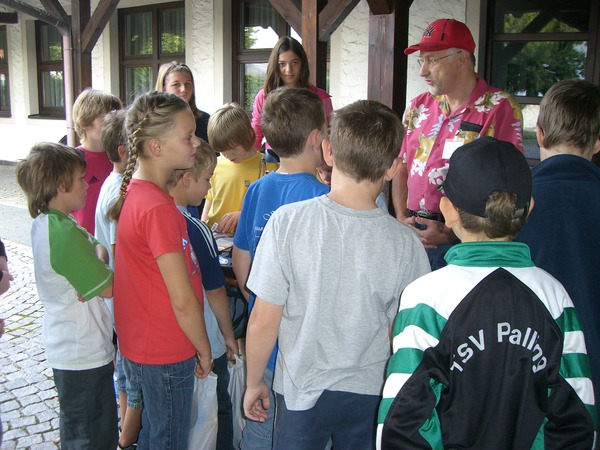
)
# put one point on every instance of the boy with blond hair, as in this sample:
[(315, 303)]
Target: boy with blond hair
[(89, 110), (567, 184), (231, 134), (493, 356), (331, 301), (71, 277), (188, 187)]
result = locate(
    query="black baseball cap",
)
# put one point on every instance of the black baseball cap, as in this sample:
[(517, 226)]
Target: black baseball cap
[(484, 166)]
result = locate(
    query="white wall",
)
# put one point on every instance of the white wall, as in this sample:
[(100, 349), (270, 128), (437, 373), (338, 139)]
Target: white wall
[(348, 68)]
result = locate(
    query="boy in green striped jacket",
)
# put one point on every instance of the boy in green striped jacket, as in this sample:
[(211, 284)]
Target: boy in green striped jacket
[(488, 351)]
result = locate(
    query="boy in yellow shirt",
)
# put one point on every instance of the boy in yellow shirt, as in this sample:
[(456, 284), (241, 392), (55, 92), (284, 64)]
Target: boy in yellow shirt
[(231, 134)]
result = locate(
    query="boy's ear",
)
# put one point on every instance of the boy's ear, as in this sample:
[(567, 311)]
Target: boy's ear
[(393, 170), (122, 150), (186, 179), (327, 152), (449, 212), (531, 202), (539, 134), (596, 148)]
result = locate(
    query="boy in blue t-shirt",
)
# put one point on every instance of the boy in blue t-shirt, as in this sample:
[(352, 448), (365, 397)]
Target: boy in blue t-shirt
[(293, 120), (72, 275), (188, 187)]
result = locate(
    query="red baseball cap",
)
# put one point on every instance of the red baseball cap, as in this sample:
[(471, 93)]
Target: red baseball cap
[(444, 34)]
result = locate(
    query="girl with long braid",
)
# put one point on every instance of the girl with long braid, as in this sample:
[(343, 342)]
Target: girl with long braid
[(158, 287)]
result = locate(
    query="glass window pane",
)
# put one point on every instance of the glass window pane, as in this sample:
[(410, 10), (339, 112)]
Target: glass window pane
[(530, 68), (172, 39), (551, 16), (530, 115), (52, 89), (137, 81), (50, 43), (259, 18), (4, 101), (138, 34), (254, 78), (3, 46)]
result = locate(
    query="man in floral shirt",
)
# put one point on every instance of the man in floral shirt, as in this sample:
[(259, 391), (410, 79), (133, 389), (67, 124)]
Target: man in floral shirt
[(458, 108)]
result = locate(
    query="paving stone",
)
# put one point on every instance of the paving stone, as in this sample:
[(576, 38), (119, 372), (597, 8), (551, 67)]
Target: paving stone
[(23, 422), (10, 405)]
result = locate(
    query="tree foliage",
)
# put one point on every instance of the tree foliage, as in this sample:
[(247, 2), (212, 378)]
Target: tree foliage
[(536, 66)]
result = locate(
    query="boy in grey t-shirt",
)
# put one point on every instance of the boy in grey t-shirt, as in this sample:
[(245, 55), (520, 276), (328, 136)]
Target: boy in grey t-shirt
[(328, 274)]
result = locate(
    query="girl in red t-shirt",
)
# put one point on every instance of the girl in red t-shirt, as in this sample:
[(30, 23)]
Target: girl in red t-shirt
[(158, 287)]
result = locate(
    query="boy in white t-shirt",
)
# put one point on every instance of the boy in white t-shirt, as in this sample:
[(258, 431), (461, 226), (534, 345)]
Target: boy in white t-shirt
[(328, 274), (71, 275)]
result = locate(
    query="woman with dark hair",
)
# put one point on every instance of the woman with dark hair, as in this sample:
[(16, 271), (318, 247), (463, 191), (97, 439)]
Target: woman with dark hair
[(176, 78), (288, 66)]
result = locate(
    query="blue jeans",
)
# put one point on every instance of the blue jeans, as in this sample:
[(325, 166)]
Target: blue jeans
[(225, 414), (134, 393), (259, 435), (436, 255), (167, 390), (349, 419), (88, 409)]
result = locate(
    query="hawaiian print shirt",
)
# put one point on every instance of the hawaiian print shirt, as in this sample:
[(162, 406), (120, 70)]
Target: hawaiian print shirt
[(432, 134)]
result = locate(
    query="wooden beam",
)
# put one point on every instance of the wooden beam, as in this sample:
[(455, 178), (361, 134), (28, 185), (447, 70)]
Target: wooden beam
[(39, 14), (289, 11), (82, 62), (54, 8), (388, 37), (332, 15), (316, 50), (378, 7), (94, 28), (9, 17)]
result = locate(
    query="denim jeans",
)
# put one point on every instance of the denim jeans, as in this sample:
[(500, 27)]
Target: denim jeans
[(259, 435), (436, 255), (225, 414), (347, 418), (167, 390), (134, 392), (88, 409)]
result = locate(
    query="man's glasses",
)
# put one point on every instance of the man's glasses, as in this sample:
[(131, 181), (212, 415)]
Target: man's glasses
[(431, 62)]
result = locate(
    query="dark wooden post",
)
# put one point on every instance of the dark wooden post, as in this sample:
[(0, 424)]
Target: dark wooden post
[(82, 60), (388, 37)]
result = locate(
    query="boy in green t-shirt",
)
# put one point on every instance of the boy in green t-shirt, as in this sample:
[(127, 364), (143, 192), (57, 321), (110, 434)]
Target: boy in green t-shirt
[(71, 277)]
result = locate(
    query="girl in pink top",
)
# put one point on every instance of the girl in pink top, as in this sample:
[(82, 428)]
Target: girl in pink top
[(288, 66)]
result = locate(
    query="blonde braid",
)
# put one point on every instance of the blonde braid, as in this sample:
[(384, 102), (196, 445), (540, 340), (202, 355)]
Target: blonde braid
[(115, 211)]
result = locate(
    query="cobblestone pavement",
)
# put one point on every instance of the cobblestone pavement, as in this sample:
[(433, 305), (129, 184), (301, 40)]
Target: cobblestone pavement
[(28, 400)]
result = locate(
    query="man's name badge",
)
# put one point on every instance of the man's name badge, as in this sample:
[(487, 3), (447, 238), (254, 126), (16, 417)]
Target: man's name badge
[(450, 146)]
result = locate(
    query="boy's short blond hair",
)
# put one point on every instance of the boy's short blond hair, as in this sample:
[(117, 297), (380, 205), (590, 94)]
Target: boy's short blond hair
[(91, 104), (114, 134), (230, 127), (204, 159), (570, 115), (366, 137), (288, 117), (40, 174)]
